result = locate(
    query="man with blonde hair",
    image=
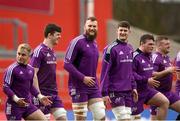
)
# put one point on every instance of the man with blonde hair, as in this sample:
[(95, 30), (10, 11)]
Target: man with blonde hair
[(18, 86)]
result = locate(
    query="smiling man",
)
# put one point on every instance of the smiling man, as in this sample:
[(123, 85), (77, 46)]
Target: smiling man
[(117, 84), (44, 61), (18, 86), (81, 62)]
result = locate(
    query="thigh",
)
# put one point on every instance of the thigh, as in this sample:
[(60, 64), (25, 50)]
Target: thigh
[(94, 97), (29, 110), (39, 105), (36, 115), (150, 93), (157, 100), (172, 97)]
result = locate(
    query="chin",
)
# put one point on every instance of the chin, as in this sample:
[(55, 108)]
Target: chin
[(123, 38)]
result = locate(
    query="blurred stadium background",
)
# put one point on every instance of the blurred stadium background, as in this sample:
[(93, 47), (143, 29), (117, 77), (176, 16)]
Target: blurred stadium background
[(24, 21)]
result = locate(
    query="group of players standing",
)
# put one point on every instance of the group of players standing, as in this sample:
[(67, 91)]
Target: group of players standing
[(128, 79)]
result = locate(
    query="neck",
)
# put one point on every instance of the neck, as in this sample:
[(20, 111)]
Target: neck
[(159, 51), (141, 48), (47, 43), (122, 40)]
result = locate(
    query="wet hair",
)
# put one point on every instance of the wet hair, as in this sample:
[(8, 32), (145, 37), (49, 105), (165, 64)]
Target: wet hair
[(92, 18), (160, 38), (51, 28), (125, 24), (26, 47), (146, 37)]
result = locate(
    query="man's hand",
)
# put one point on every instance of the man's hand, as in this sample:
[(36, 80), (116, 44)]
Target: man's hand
[(135, 95), (171, 69), (45, 100), (22, 103), (89, 81), (153, 83)]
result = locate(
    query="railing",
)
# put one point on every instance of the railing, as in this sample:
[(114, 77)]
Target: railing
[(16, 23)]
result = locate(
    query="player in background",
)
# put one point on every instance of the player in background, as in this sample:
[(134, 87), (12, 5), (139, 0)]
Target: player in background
[(178, 77), (81, 62), (163, 72), (43, 59), (117, 83), (143, 69), (18, 86)]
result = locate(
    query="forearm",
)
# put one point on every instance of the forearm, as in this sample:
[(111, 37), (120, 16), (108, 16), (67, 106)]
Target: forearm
[(7, 90), (104, 78), (161, 74), (73, 71), (140, 79), (35, 80)]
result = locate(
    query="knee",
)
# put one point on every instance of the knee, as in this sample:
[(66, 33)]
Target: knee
[(98, 110), (165, 103), (80, 110), (122, 113), (60, 113)]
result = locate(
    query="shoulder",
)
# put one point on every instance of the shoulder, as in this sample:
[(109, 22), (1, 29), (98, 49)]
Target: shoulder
[(130, 46), (110, 47), (37, 51), (154, 57), (30, 67), (11, 67), (77, 39), (135, 54)]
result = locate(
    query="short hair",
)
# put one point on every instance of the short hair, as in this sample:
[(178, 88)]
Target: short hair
[(25, 46), (146, 37), (125, 24), (160, 38), (92, 18), (51, 28)]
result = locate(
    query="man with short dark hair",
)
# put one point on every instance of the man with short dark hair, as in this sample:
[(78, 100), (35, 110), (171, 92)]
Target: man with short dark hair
[(142, 71), (117, 83), (44, 61)]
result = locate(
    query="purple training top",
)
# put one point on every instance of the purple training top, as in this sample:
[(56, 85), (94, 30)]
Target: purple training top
[(142, 69), (116, 73), (81, 60), (44, 58), (160, 64), (178, 67), (18, 80)]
